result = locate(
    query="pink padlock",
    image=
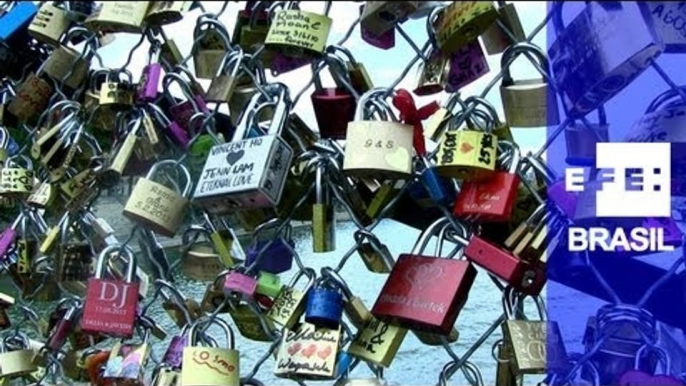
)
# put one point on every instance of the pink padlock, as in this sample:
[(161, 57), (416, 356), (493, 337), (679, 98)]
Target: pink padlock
[(239, 282), (467, 65), (150, 79), (171, 128), (8, 236)]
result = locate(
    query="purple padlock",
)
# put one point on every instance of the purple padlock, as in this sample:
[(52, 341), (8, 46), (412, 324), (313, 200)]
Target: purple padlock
[(8, 236), (150, 80), (283, 64), (278, 257), (466, 66), (171, 128), (384, 41), (565, 200), (241, 283), (184, 111), (173, 357)]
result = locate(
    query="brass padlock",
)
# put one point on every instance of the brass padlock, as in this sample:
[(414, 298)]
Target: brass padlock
[(461, 22), (213, 44), (227, 76), (323, 216), (49, 24), (199, 260), (117, 94), (32, 97), (166, 12), (375, 255), (118, 16), (64, 61), (530, 102), (499, 35), (432, 74)]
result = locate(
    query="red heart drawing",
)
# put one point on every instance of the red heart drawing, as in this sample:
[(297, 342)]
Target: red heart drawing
[(309, 351), (294, 348), (325, 353), (466, 147)]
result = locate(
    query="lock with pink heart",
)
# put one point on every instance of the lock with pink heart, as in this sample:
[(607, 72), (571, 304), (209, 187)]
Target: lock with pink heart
[(426, 293)]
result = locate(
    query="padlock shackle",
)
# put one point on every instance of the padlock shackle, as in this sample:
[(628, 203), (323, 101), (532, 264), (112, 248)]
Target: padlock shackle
[(430, 24), (190, 233), (231, 60), (512, 53), (664, 357), (663, 99), (332, 276), (309, 272), (172, 164), (224, 325), (479, 101), (103, 257), (337, 48), (365, 98), (185, 86), (211, 23), (542, 168), (515, 155), (426, 235)]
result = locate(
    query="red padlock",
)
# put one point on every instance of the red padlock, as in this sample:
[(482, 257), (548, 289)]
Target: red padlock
[(493, 199), (111, 306), (333, 107), (527, 277), (425, 293)]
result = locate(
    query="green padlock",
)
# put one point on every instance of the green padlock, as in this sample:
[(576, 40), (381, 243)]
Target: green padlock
[(268, 284)]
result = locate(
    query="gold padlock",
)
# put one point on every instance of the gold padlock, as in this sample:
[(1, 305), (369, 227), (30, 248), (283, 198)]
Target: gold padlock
[(496, 38), (157, 207), (467, 154), (462, 22), (49, 24), (289, 304), (377, 342), (213, 43), (433, 74), (530, 102), (290, 32), (166, 12), (118, 16)]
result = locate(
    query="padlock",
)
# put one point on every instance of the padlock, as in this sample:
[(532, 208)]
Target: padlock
[(323, 214), (212, 44), (296, 356), (593, 80), (581, 139), (166, 12), (290, 32), (151, 75), (324, 307), (377, 148), (638, 377), (556, 191), (32, 97), (117, 93), (49, 24), (75, 262), (278, 256), (118, 16), (122, 153), (64, 61), (251, 321), (227, 76), (19, 361), (172, 128), (155, 206), (333, 107), (377, 342), (375, 255), (537, 346), (383, 41), (17, 179), (353, 307), (289, 304), (530, 102), (241, 283), (665, 19), (210, 366), (416, 277), (110, 305), (357, 72), (504, 376), (165, 376), (467, 154), (16, 19), (466, 65), (379, 17), (432, 74), (182, 310), (460, 23), (251, 28), (268, 284), (507, 27), (225, 242), (244, 91), (492, 199), (501, 129), (127, 361), (199, 260), (248, 173)]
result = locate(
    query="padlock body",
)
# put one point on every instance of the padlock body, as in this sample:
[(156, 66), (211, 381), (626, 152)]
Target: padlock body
[(118, 16), (247, 174), (63, 61), (378, 149), (291, 34), (308, 352), (529, 103), (238, 282), (150, 81), (614, 57), (462, 22), (333, 108), (489, 200), (466, 66), (537, 346), (495, 39), (276, 259), (207, 62), (467, 155), (156, 207), (324, 307), (32, 97), (581, 143), (425, 293), (224, 364), (110, 307), (288, 306), (377, 342), (249, 324)]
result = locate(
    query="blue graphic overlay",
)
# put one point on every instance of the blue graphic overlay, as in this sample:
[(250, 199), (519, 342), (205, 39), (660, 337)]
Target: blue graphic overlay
[(615, 270)]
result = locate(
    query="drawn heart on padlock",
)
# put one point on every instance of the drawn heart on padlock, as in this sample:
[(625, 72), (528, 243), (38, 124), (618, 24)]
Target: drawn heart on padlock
[(639, 378), (325, 353), (294, 348), (466, 148), (421, 275), (309, 351), (234, 156), (398, 159)]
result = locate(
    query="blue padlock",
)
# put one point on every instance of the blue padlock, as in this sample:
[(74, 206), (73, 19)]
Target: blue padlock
[(324, 304), (431, 189), (278, 257), (343, 362), (17, 19)]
